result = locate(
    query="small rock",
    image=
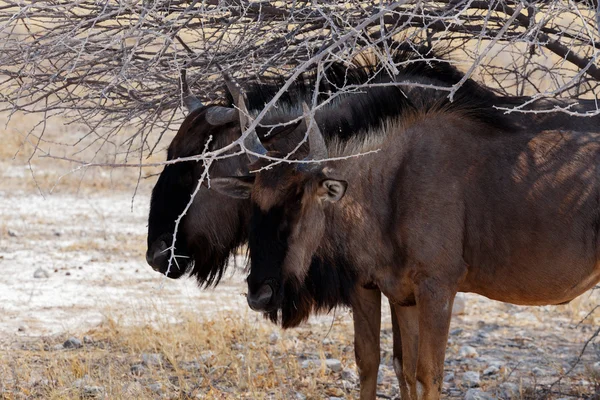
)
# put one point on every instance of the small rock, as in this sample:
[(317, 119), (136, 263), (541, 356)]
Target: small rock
[(13, 233), (596, 369), (470, 379), (22, 328), (509, 390), (72, 343), (333, 364), (41, 273), (300, 396), (449, 377), (476, 394), (491, 370), (349, 375), (380, 374), (273, 338), (207, 358), (80, 383), (137, 369), (467, 352), (151, 359), (326, 341), (538, 371), (458, 308), (155, 387), (456, 332), (310, 364), (92, 391), (88, 340), (190, 366)]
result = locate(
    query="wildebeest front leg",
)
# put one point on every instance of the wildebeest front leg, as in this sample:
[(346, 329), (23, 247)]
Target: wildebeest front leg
[(366, 311), (405, 327), (434, 304)]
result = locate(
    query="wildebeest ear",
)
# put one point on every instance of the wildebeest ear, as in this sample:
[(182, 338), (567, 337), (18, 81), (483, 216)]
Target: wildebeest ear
[(332, 190), (238, 187)]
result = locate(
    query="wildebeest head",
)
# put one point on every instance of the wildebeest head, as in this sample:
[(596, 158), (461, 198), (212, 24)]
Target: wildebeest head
[(214, 225), (288, 219)]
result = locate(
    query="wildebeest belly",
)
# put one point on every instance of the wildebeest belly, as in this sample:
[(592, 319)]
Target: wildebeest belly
[(532, 219)]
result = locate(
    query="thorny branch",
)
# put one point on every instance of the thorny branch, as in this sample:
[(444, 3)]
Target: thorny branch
[(115, 64)]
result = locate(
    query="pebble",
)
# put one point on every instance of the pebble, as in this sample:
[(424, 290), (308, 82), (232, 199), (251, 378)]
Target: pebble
[(380, 374), (138, 369), (310, 364), (92, 391), (449, 377), (155, 387), (300, 396), (334, 364), (470, 379), (41, 273), (207, 358), (596, 369), (151, 359), (509, 390), (326, 341), (458, 308), (13, 233), (81, 382), (22, 328), (491, 370), (88, 340), (476, 394), (467, 352), (349, 375), (72, 343), (455, 332), (273, 338)]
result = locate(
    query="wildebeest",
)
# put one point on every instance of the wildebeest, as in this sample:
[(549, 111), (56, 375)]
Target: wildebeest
[(459, 198)]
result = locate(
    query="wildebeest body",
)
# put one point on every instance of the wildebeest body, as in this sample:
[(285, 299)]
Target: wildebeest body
[(450, 203)]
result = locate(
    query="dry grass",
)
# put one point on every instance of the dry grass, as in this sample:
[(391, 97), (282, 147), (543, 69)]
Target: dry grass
[(225, 358)]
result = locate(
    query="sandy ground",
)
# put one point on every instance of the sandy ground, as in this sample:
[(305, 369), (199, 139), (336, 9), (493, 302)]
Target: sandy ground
[(87, 251)]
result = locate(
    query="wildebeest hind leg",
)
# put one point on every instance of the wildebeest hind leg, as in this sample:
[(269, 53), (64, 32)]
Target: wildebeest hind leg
[(366, 311), (405, 327)]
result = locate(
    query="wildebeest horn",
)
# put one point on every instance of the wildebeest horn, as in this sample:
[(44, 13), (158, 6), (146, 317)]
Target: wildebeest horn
[(251, 142), (191, 102), (316, 142), (218, 115)]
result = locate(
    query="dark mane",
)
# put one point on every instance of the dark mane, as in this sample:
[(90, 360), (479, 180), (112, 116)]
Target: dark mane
[(366, 109)]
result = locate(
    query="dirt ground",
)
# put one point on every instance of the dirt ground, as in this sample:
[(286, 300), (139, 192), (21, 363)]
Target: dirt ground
[(82, 315)]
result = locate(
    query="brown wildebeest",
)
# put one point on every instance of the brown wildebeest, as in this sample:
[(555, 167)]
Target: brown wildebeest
[(460, 198)]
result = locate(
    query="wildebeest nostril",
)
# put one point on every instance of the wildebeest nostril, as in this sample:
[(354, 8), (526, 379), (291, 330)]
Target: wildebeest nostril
[(260, 300), (157, 256)]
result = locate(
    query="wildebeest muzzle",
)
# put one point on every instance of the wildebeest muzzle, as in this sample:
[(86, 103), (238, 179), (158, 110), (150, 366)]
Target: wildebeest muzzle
[(264, 299)]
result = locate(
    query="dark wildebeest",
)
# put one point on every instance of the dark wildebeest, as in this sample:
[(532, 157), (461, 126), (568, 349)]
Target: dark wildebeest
[(215, 226), (460, 198)]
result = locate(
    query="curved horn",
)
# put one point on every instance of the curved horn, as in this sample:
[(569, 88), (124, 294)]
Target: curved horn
[(316, 142), (219, 115), (251, 142), (191, 102)]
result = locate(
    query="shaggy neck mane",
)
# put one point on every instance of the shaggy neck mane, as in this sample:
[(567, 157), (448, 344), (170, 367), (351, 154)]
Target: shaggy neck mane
[(364, 111)]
